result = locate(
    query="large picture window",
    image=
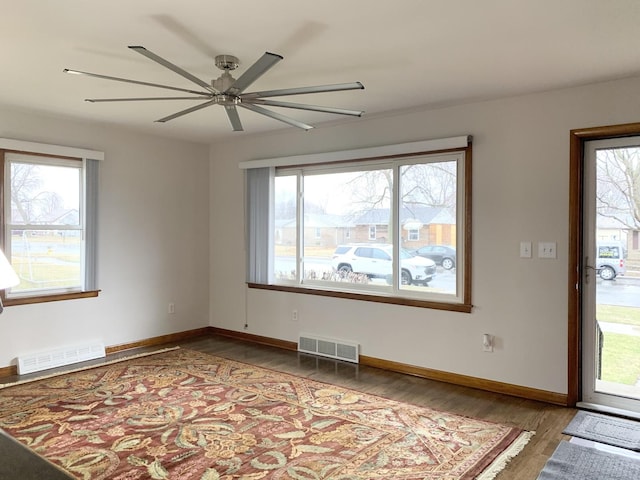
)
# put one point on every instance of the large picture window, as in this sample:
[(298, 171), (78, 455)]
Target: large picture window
[(49, 219), (393, 229)]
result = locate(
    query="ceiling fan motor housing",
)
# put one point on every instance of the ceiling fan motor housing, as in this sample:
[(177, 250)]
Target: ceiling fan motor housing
[(223, 82), (227, 62)]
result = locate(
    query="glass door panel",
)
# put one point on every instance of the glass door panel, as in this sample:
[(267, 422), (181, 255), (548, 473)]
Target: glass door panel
[(611, 322)]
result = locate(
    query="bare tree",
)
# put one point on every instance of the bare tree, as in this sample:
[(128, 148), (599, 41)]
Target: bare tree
[(32, 204), (422, 185), (618, 189), (371, 189), (431, 185)]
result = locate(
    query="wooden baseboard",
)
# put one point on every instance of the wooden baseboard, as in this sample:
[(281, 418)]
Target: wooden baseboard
[(468, 381), (160, 340), (249, 337), (8, 371), (453, 378)]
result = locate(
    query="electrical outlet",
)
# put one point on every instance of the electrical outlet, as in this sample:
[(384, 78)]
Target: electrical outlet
[(172, 308), (487, 342), (294, 315)]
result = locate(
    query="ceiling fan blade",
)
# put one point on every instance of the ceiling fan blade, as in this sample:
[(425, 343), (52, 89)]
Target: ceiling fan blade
[(165, 63), (136, 82), (254, 72), (276, 116), (302, 90), (303, 106), (234, 118), (188, 110), (97, 100)]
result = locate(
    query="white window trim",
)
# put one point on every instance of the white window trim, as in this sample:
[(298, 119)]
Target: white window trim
[(47, 149), (362, 153)]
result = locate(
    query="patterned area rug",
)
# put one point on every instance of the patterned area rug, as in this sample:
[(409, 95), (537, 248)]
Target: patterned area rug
[(192, 416)]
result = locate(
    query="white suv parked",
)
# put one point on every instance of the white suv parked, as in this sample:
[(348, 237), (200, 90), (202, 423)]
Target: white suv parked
[(375, 261)]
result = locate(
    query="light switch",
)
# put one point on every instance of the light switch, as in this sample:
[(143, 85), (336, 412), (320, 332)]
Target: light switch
[(525, 249), (547, 250)]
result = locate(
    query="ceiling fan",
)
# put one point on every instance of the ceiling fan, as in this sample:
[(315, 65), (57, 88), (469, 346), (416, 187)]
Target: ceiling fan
[(230, 92)]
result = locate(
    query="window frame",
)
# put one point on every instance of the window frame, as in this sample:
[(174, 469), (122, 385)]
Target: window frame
[(54, 152), (364, 157)]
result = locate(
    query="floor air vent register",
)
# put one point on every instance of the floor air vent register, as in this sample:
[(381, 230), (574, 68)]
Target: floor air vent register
[(36, 362), (328, 347)]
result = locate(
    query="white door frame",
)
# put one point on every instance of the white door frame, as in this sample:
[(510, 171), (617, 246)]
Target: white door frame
[(578, 138), (590, 396)]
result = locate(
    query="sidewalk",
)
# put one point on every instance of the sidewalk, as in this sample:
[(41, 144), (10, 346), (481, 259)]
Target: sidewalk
[(620, 328)]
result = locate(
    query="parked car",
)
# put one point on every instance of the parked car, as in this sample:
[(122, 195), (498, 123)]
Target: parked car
[(610, 260), (443, 255), (375, 261)]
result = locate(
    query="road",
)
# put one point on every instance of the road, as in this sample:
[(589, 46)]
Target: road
[(622, 291)]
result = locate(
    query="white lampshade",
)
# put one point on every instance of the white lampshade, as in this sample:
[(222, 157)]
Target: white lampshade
[(8, 277)]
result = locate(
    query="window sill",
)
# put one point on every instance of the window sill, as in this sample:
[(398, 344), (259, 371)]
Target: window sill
[(453, 307), (7, 302)]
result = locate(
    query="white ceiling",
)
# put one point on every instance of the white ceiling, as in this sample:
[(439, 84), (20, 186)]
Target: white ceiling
[(408, 53)]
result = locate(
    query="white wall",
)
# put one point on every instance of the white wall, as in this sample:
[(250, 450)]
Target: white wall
[(520, 192), (153, 241)]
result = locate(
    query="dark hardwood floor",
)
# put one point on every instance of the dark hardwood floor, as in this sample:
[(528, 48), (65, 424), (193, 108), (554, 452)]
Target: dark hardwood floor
[(546, 420)]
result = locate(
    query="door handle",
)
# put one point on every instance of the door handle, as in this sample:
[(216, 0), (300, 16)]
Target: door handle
[(588, 267)]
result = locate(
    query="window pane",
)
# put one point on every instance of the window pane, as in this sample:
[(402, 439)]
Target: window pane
[(46, 259), (286, 228), (44, 232), (347, 209), (44, 194), (428, 196)]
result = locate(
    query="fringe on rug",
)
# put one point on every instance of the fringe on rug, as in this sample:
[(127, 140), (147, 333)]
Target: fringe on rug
[(87, 367), (500, 463)]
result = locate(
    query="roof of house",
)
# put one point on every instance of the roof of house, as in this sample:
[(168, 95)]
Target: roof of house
[(376, 216), (424, 215)]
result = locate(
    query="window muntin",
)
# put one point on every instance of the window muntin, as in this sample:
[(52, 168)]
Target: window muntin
[(44, 224), (405, 203)]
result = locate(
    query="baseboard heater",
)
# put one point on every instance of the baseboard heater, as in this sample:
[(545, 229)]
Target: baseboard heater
[(329, 347), (36, 362)]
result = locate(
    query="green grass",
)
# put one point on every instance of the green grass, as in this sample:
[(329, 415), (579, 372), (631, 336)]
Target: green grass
[(620, 353), (621, 358), (617, 314), (46, 268)]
